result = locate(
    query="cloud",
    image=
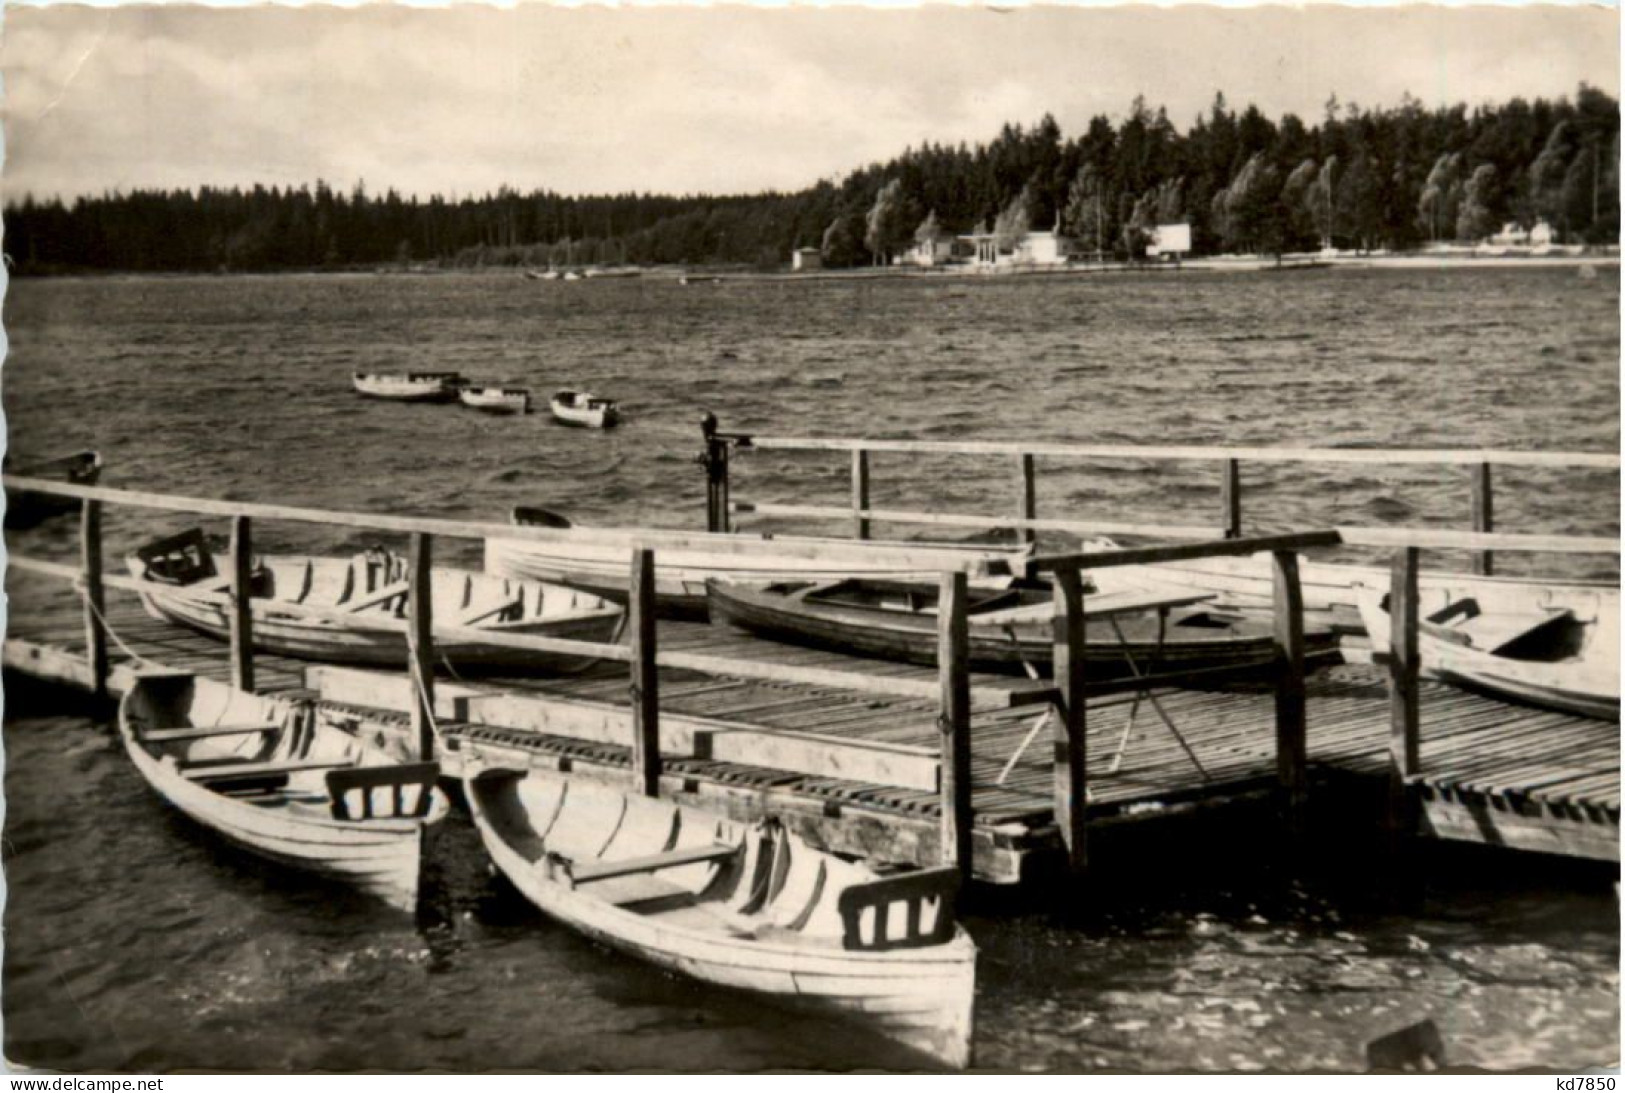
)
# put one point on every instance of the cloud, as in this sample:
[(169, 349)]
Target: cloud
[(688, 99)]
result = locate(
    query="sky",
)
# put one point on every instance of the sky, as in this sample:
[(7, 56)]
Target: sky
[(461, 100)]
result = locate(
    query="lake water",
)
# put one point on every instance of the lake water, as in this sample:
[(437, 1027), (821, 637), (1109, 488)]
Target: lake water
[(132, 943)]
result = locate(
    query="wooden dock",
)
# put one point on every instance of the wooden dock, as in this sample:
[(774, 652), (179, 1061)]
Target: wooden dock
[(861, 772)]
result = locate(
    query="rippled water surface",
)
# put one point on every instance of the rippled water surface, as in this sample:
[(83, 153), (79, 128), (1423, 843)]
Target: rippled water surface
[(134, 943)]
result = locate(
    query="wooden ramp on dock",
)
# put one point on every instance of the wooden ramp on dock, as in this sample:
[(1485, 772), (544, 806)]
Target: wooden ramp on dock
[(858, 772)]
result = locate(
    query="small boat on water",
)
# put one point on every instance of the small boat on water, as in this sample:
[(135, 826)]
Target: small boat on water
[(283, 780), (680, 575), (25, 510), (745, 906), (1010, 627), (497, 400), (408, 386), (363, 602), (1549, 655), (585, 409)]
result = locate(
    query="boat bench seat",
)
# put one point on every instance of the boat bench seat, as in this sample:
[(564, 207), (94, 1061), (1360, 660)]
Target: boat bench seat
[(671, 859), (216, 771), (164, 736)]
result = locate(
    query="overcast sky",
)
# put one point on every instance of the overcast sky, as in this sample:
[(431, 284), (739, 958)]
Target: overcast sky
[(722, 100)]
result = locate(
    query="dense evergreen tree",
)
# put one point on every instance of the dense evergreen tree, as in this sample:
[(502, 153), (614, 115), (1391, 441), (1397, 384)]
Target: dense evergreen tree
[(1365, 178)]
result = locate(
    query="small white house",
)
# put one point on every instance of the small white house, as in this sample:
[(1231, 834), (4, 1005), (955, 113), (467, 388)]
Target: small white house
[(805, 259), (1512, 234), (930, 252), (1047, 248)]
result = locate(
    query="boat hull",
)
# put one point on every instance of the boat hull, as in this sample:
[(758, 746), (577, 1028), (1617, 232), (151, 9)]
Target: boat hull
[(1189, 642), (435, 387), (379, 638), (1586, 683), (505, 402), (378, 857), (922, 997)]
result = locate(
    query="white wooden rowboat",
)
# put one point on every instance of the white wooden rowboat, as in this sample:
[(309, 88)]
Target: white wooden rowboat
[(362, 605), (680, 575), (497, 400), (408, 386), (1328, 587), (1546, 654), (584, 409), (750, 907), (282, 780)]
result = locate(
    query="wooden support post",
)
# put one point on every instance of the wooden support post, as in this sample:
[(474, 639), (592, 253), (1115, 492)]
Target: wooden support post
[(953, 723), (717, 517), (1230, 498), (1483, 516), (640, 604), (1029, 496), (242, 618), (1404, 668), (90, 564), (420, 635), (1291, 731), (1071, 747), (860, 493)]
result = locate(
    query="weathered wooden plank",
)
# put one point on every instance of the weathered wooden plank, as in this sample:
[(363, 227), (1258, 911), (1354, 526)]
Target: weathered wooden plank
[(1446, 539), (241, 614), (954, 721), (1230, 498), (1071, 776), (1029, 498), (90, 565), (640, 606), (420, 642), (860, 494), (1483, 511), (1291, 728), (1152, 555), (972, 520)]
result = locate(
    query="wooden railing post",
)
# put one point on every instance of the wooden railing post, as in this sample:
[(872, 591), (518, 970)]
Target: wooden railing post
[(1230, 498), (1483, 516), (1404, 668), (953, 723), (1029, 496), (640, 605), (420, 632), (90, 564), (1071, 745), (860, 493), (1291, 744), (242, 618)]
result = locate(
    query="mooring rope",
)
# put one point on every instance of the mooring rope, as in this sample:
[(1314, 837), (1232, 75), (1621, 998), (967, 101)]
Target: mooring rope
[(107, 627)]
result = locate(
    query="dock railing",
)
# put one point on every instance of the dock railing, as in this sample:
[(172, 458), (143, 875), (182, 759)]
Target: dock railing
[(953, 689), (1022, 515)]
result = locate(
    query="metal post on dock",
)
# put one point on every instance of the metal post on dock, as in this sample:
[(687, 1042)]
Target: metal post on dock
[(1291, 745), (1071, 745), (90, 564), (717, 515), (860, 493), (640, 605), (1029, 497), (1404, 669), (420, 633), (1483, 516), (1230, 498), (953, 723), (242, 619)]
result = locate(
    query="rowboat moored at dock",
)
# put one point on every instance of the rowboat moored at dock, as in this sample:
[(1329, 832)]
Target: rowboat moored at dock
[(24, 510), (408, 386), (1009, 627), (1551, 655), (356, 606), (680, 575), (497, 400), (749, 907), (282, 780), (584, 409)]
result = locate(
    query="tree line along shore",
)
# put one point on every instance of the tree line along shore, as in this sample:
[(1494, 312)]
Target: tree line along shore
[(1394, 179)]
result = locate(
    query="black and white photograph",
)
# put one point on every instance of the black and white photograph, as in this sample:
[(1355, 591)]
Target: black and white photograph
[(558, 539)]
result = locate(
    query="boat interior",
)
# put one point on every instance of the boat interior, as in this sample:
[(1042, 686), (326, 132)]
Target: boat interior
[(754, 882)]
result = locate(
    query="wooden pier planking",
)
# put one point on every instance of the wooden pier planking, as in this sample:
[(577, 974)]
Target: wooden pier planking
[(1490, 772)]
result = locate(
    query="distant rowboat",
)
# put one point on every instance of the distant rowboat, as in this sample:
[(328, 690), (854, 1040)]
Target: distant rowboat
[(408, 386), (362, 602), (750, 907), (281, 779), (497, 400), (584, 409)]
